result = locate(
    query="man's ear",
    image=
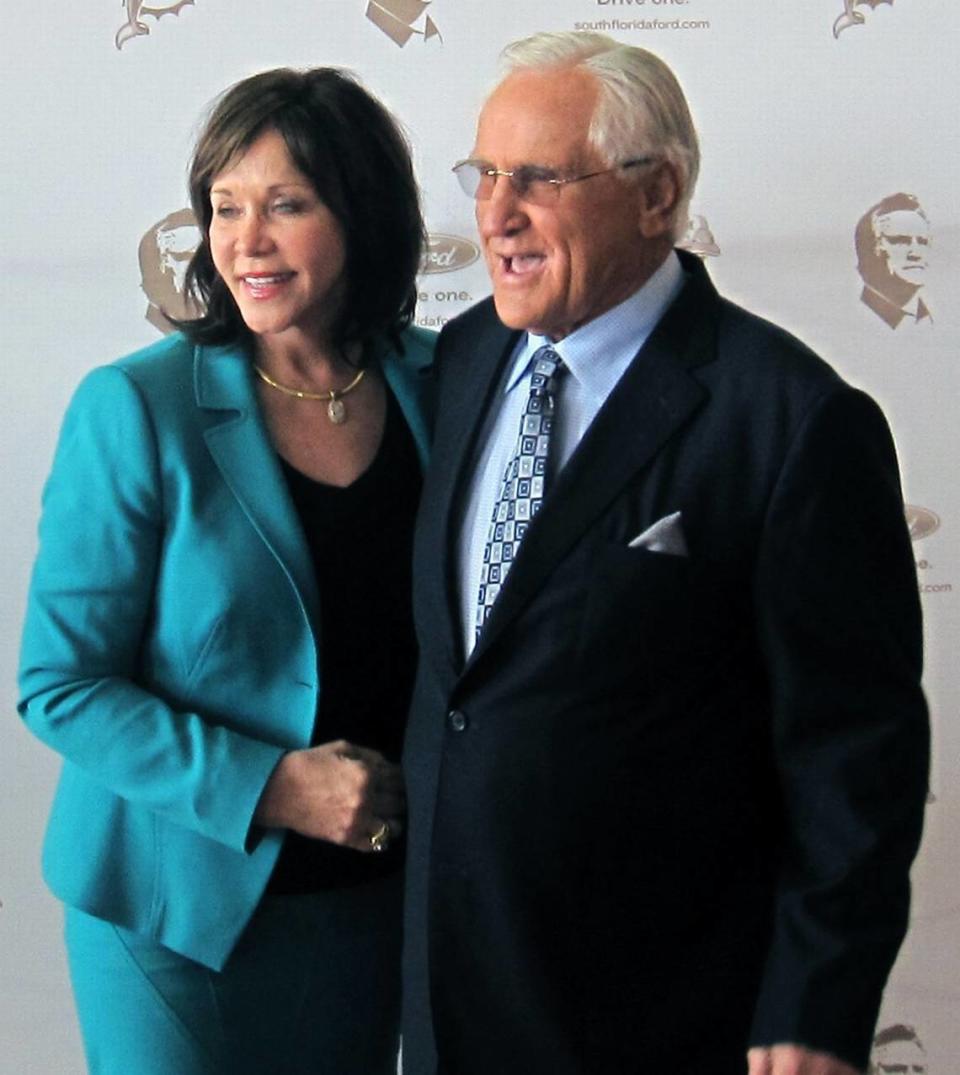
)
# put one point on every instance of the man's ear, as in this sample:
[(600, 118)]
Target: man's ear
[(658, 195)]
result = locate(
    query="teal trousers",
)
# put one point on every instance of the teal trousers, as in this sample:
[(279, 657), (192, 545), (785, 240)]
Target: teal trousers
[(313, 988)]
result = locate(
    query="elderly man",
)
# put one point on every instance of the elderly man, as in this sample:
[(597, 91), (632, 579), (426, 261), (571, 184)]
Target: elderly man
[(667, 757)]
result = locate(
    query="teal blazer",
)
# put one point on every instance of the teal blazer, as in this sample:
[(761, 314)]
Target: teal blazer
[(171, 651)]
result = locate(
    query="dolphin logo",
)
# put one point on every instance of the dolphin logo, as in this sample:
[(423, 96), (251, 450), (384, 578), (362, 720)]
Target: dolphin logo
[(850, 17), (136, 9), (698, 238)]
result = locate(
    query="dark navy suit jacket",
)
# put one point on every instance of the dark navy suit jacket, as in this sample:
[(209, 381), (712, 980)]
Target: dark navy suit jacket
[(666, 809)]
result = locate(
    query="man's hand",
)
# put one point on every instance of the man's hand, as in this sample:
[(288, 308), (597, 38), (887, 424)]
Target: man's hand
[(795, 1060)]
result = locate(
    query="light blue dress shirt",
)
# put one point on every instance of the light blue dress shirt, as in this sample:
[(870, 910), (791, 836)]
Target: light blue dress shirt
[(596, 356)]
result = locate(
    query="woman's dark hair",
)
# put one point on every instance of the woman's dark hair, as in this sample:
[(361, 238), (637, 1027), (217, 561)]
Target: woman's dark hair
[(352, 150)]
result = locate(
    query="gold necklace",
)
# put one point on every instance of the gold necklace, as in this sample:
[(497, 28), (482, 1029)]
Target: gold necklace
[(336, 411)]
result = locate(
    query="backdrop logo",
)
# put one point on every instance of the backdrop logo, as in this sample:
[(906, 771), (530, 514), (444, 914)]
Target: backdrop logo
[(447, 253), (165, 251), (698, 238), (851, 17), (898, 1048), (397, 19), (137, 9), (921, 522), (892, 241)]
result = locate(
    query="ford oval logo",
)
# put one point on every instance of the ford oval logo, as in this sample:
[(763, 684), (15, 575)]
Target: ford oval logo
[(921, 522), (447, 253)]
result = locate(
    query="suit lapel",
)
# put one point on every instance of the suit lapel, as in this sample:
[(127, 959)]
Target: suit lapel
[(652, 402), (241, 448), (465, 400)]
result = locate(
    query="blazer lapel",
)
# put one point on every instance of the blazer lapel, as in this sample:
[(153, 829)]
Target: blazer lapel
[(652, 402), (241, 448), (407, 376)]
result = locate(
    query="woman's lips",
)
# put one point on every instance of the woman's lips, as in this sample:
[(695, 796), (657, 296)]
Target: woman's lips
[(265, 285)]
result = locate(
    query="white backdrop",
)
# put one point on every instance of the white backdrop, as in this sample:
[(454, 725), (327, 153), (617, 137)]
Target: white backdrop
[(810, 112)]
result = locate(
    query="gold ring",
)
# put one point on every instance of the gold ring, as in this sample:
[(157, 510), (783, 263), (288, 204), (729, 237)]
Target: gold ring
[(381, 838)]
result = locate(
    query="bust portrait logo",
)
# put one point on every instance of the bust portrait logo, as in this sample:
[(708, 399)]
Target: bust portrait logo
[(447, 253), (892, 241), (852, 17), (165, 251), (921, 522), (398, 19), (898, 1048), (137, 9)]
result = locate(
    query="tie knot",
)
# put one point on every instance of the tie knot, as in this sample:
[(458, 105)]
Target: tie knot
[(546, 368)]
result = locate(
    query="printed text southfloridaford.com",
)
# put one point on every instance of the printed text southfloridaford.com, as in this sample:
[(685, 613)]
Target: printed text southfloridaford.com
[(643, 24)]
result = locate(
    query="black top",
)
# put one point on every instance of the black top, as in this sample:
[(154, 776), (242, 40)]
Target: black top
[(360, 539)]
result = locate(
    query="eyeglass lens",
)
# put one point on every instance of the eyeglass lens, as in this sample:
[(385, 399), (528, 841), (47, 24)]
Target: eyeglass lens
[(478, 180)]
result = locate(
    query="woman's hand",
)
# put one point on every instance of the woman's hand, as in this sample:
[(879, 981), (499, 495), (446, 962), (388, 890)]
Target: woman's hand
[(336, 792)]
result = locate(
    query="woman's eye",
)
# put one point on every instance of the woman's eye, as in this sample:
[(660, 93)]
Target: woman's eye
[(287, 207), (225, 210)]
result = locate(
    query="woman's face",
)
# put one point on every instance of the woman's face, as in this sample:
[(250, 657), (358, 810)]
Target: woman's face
[(277, 247)]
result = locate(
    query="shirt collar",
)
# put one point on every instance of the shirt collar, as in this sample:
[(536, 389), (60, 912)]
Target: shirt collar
[(597, 354), (914, 306)]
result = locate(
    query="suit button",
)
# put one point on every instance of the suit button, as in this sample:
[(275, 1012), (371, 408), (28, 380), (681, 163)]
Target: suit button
[(457, 721)]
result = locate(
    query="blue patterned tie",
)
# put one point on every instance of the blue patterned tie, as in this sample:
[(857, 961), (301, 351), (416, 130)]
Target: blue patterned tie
[(522, 489)]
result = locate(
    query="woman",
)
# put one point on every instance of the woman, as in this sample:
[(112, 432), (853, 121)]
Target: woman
[(218, 638)]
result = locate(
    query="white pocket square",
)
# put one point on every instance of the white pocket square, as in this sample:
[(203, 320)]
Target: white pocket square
[(666, 535)]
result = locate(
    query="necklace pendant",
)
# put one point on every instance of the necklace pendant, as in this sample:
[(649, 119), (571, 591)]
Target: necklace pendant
[(336, 412)]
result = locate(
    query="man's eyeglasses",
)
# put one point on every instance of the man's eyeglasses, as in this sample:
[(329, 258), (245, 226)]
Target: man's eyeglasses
[(530, 183)]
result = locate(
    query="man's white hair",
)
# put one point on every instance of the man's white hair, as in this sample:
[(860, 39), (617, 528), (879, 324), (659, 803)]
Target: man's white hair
[(641, 109)]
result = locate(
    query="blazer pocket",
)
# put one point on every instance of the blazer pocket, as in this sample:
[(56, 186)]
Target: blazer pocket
[(196, 666), (635, 608), (644, 571)]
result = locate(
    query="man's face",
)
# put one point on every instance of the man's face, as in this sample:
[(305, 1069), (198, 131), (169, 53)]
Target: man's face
[(555, 267), (899, 1058), (903, 238)]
